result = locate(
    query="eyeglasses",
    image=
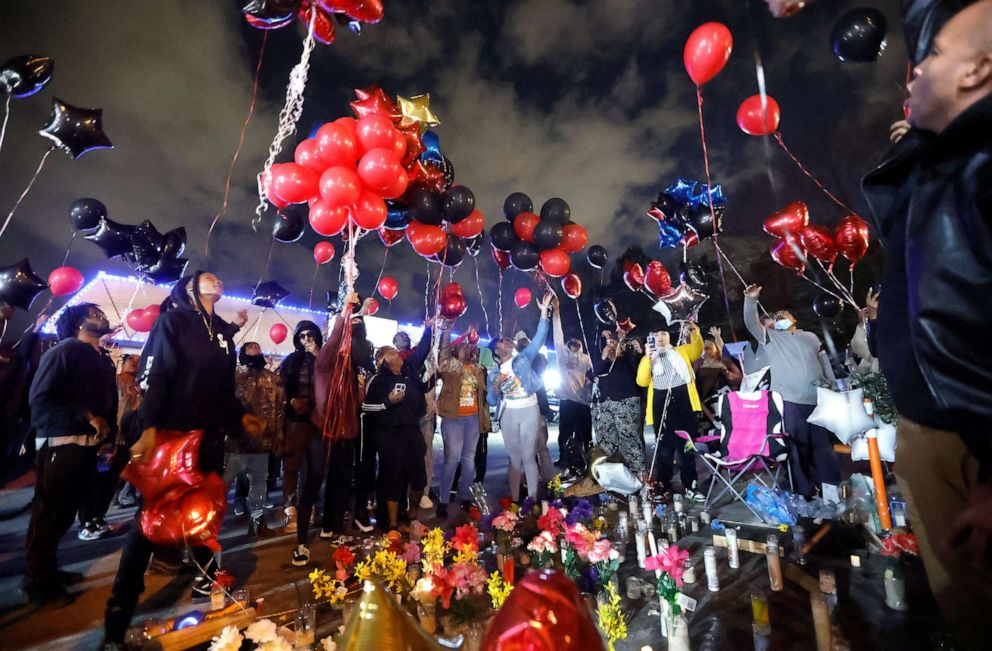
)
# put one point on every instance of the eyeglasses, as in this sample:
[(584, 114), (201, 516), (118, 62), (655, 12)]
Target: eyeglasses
[(307, 335)]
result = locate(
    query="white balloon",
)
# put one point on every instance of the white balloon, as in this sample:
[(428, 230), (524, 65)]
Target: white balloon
[(841, 412), (886, 443)]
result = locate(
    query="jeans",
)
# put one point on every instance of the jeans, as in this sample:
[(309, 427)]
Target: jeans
[(337, 491), (545, 466), (668, 445), (256, 466), (298, 435), (520, 427), (461, 435), (811, 450), (574, 434), (311, 477), (427, 427)]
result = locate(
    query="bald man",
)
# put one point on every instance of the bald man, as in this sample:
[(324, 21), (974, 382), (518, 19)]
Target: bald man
[(931, 199)]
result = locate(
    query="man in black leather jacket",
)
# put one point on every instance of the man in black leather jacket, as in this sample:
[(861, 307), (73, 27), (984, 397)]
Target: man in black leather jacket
[(931, 199)]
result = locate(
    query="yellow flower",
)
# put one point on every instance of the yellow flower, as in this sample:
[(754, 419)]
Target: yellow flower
[(555, 486), (434, 549), (498, 590), (611, 620)]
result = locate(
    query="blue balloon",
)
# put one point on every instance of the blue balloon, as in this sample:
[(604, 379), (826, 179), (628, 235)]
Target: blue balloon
[(432, 148), (682, 191), (669, 236), (397, 215)]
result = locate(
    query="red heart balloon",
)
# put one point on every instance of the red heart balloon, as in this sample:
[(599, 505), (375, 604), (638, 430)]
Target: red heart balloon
[(174, 464), (545, 612), (390, 237), (819, 242), (755, 120), (789, 220), (190, 515), (625, 325), (851, 236), (787, 253), (634, 277), (501, 258), (572, 285), (657, 280), (522, 297)]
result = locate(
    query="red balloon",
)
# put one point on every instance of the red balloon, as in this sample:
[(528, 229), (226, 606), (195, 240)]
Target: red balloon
[(306, 155), (375, 131), (391, 237), (452, 289), (470, 226), (367, 11), (522, 297), (340, 186), (294, 183), (380, 170), (656, 279), (473, 336), (152, 312), (634, 277), (707, 51), (398, 189), (323, 25), (188, 516), (369, 212), (323, 252), (524, 225), (787, 253), (571, 284), (819, 242), (453, 306), (545, 612), (426, 240), (791, 220), (372, 307), (174, 464), (65, 280), (555, 262), (690, 239), (278, 333), (399, 145), (574, 238), (327, 220), (337, 144), (388, 288), (270, 193), (851, 236), (501, 258), (135, 319), (755, 120)]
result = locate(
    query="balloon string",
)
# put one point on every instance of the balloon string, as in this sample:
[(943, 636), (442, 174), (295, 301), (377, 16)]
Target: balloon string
[(804, 170), (482, 299), (738, 274), (282, 318), (499, 303), (848, 296), (3, 129), (250, 326), (72, 240), (313, 283), (709, 192), (241, 142), (134, 295), (427, 294), (824, 289), (3, 332), (582, 327), (37, 172), (113, 304), (382, 268)]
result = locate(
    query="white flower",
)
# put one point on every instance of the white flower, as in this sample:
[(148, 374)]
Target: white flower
[(228, 640), (276, 644), (264, 630), (328, 644)]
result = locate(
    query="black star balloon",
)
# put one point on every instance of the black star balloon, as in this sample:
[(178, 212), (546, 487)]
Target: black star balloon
[(166, 270), (268, 294), (25, 75), (156, 257), (692, 275), (113, 238), (75, 130), (681, 305), (271, 12), (19, 285)]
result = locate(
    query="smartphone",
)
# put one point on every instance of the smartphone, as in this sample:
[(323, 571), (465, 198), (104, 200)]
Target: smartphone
[(399, 388), (651, 341)]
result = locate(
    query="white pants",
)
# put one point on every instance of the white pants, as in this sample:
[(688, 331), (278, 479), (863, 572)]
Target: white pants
[(521, 427)]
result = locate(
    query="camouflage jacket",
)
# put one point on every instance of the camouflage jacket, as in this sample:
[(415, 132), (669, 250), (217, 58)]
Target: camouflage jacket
[(262, 394)]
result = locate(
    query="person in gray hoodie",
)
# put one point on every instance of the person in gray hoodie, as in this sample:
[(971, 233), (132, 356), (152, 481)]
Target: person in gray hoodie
[(797, 364)]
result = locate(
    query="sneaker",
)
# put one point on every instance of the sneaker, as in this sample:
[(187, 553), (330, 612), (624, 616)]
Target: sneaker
[(363, 524), (301, 556), (89, 532), (426, 503), (325, 533), (693, 494), (101, 525), (202, 587), (239, 508), (290, 520), (442, 510)]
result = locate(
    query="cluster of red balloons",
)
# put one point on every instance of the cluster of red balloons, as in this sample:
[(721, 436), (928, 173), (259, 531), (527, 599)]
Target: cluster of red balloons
[(453, 303), (275, 14), (654, 279), (142, 320), (799, 238), (64, 281)]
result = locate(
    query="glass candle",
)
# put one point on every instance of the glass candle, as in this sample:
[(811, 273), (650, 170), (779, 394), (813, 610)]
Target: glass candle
[(759, 609), (639, 540), (688, 571), (709, 562), (733, 553), (774, 563), (241, 597), (693, 524), (677, 503), (306, 627), (704, 517)]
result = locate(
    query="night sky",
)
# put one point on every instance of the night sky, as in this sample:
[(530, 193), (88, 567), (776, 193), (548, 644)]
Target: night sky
[(586, 100)]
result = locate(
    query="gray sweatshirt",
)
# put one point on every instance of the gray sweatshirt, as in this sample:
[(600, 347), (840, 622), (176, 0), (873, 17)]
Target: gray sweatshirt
[(796, 359), (572, 368)]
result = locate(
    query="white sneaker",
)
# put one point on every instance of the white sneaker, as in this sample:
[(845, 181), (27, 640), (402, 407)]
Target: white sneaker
[(290, 520), (426, 503), (301, 556)]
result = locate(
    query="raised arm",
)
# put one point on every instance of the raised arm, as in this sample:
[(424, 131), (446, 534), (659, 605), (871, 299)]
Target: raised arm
[(423, 349), (751, 320)]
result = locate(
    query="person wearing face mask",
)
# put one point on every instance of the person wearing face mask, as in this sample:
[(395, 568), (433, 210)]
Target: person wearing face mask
[(797, 364), (575, 396), (260, 391), (666, 371), (187, 371), (73, 401), (302, 437)]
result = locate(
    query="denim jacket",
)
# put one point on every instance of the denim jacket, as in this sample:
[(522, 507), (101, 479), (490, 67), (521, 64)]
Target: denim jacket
[(522, 366)]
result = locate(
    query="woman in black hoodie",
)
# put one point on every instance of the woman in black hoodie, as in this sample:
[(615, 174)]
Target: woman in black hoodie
[(187, 372)]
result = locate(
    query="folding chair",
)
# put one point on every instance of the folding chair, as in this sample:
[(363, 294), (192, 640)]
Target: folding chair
[(750, 439)]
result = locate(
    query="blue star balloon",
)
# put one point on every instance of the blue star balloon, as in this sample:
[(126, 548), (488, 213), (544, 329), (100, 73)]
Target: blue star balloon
[(432, 148), (718, 197), (682, 190), (668, 236)]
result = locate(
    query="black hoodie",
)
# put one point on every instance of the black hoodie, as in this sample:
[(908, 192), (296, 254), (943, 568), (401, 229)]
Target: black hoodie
[(297, 372), (187, 373)]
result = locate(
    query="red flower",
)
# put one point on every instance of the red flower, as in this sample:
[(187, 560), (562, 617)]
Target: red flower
[(506, 503), (344, 556), (223, 579), (474, 514), (466, 537)]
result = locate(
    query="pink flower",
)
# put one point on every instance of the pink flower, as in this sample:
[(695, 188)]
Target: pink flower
[(411, 553), (543, 543), (671, 561), (602, 551), (506, 521), (551, 521)]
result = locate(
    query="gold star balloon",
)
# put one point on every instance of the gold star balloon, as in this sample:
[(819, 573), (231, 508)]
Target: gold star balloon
[(418, 108)]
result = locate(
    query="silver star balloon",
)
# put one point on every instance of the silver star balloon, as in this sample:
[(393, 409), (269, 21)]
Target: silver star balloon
[(681, 304), (841, 412), (886, 434)]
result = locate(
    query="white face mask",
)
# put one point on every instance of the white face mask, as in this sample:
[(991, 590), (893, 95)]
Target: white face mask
[(783, 324)]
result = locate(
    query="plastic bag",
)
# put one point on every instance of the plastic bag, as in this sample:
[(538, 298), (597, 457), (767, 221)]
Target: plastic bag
[(770, 504)]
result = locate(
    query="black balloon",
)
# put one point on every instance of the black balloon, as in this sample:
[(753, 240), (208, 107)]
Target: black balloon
[(515, 204), (113, 238), (474, 244), (287, 226), (19, 285), (85, 213), (454, 252), (457, 204), (426, 206), (547, 235), (268, 294), (827, 306), (449, 173), (606, 312), (595, 256), (502, 236), (165, 270), (556, 210), (524, 256), (859, 35), (692, 275), (666, 205), (146, 245), (700, 220), (271, 11), (156, 257), (74, 130), (25, 75)]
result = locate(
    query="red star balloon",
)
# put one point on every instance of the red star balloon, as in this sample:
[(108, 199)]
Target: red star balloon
[(373, 100), (427, 175)]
